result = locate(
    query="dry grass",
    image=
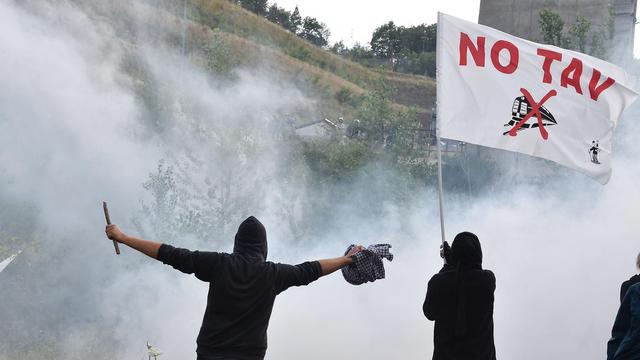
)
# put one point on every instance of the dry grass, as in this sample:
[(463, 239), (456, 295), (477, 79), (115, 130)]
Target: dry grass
[(258, 42), (233, 19)]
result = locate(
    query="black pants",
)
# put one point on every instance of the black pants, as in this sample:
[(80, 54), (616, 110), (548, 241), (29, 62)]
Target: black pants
[(215, 357)]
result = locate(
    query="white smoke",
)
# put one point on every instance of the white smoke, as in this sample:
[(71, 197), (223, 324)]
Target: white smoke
[(73, 133)]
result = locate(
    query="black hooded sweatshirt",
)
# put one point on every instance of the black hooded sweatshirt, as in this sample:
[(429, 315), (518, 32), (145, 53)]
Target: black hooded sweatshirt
[(460, 301), (627, 284), (242, 290)]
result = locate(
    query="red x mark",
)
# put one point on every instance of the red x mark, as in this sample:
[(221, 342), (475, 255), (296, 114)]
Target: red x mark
[(535, 110)]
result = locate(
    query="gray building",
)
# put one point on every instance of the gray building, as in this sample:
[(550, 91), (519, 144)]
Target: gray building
[(624, 28), (321, 129), (520, 18)]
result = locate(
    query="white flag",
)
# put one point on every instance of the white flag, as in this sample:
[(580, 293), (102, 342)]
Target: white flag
[(497, 90)]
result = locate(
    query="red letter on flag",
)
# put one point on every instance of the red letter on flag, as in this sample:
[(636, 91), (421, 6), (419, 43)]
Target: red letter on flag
[(514, 56), (571, 75), (594, 89), (477, 52), (549, 57)]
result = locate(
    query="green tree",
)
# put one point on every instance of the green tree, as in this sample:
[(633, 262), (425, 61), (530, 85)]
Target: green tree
[(551, 26), (160, 215), (258, 7), (279, 16), (581, 37), (295, 21), (336, 160), (315, 32), (418, 39), (220, 58), (417, 63), (376, 114), (339, 48), (359, 51), (579, 31), (385, 41)]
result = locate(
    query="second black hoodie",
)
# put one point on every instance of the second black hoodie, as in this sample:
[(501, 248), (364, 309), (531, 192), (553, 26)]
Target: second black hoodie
[(627, 284), (460, 301), (242, 290)]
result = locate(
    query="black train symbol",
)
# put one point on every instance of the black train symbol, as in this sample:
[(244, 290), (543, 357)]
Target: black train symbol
[(521, 108)]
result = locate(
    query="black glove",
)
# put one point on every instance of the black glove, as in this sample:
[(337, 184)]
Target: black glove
[(445, 252)]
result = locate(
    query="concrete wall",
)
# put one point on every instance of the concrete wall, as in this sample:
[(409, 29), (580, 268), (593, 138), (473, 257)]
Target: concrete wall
[(624, 28), (520, 17), (314, 131)]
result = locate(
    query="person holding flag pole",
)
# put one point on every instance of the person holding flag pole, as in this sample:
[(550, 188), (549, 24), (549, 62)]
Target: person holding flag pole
[(504, 92)]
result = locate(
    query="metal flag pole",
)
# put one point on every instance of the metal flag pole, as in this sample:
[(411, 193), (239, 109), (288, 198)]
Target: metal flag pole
[(440, 192), (439, 51)]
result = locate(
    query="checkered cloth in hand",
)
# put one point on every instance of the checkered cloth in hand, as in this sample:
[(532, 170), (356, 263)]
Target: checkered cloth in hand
[(367, 265)]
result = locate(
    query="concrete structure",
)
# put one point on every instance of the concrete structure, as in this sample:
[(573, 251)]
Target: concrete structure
[(318, 129), (520, 18), (624, 28)]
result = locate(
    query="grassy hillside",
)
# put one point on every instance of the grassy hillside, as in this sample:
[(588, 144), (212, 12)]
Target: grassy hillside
[(250, 40)]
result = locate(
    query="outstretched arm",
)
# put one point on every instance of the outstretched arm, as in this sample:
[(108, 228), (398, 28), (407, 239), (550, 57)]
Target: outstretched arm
[(330, 265), (204, 264), (305, 273), (147, 247)]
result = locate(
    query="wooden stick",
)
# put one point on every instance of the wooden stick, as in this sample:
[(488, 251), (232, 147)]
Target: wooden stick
[(106, 216)]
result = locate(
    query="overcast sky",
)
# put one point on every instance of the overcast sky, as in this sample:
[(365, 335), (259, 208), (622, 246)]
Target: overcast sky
[(348, 22)]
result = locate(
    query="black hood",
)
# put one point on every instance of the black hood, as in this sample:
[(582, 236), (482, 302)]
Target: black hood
[(251, 239), (466, 249)]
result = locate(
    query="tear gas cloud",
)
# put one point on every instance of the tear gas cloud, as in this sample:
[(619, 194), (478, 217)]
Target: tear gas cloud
[(76, 129)]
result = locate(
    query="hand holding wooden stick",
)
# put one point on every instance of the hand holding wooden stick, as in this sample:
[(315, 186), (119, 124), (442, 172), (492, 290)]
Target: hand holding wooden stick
[(106, 215)]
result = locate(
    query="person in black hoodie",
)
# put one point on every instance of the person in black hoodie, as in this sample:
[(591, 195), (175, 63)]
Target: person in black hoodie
[(632, 281), (460, 301), (624, 343), (242, 287)]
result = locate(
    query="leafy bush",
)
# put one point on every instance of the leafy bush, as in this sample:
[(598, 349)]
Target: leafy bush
[(300, 53), (344, 96)]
